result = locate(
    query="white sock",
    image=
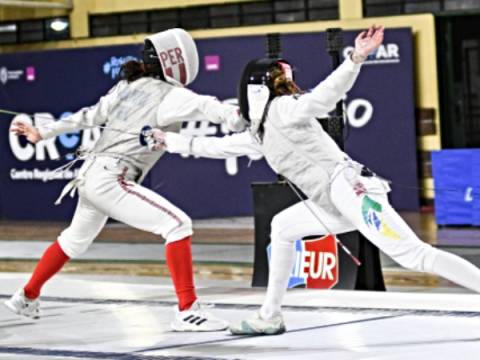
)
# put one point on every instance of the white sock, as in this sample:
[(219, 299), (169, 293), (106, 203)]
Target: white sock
[(457, 270), (283, 257)]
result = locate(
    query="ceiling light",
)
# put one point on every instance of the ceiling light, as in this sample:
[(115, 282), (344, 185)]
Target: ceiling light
[(59, 25)]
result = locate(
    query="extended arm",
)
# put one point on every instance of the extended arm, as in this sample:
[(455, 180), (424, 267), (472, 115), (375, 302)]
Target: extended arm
[(84, 118), (323, 98), (182, 105), (240, 144)]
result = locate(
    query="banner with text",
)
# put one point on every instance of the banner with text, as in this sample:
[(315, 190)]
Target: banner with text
[(52, 84)]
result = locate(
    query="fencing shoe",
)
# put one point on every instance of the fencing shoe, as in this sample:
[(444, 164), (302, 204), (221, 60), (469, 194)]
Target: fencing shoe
[(258, 326), (21, 305), (197, 319)]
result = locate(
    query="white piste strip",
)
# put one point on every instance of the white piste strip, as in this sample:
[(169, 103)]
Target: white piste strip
[(369, 300)]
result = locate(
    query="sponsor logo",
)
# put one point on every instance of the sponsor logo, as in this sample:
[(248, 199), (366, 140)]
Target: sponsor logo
[(8, 75), (375, 218), (30, 73), (212, 63), (385, 54), (316, 263), (468, 194), (113, 66)]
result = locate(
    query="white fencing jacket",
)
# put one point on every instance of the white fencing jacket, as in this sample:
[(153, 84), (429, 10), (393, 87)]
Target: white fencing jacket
[(294, 143), (128, 107)]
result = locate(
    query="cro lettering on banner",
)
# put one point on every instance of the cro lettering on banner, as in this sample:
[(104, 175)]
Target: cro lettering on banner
[(316, 263)]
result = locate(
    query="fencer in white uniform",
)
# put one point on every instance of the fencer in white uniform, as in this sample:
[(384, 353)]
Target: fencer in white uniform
[(152, 96), (285, 130)]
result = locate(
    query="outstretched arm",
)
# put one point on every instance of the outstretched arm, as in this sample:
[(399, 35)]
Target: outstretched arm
[(240, 144), (323, 98), (84, 118), (182, 105)]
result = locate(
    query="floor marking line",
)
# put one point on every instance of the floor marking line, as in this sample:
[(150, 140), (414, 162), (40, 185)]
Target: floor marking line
[(427, 342), (219, 305), (95, 354), (13, 325)]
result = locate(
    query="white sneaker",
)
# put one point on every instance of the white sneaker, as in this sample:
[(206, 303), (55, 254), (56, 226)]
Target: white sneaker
[(256, 325), (197, 319), (21, 305)]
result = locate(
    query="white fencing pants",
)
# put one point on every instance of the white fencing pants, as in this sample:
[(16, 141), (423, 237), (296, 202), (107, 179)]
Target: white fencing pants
[(363, 205), (107, 190)]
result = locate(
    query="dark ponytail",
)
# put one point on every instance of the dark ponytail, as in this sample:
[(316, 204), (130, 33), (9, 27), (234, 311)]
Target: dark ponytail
[(281, 85), (133, 70)]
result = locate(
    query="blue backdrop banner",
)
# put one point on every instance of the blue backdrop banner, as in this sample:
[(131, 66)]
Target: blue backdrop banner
[(457, 181), (53, 83)]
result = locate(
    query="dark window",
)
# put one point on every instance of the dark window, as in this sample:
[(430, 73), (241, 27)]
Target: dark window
[(104, 25), (215, 16), (257, 13), (382, 7), (422, 6), (397, 7), (195, 17), (8, 33), (163, 20), (322, 9), (31, 31), (461, 4), (289, 11), (133, 23), (225, 16)]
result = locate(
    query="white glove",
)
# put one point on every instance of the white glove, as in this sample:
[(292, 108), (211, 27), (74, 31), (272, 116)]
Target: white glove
[(234, 120), (155, 139)]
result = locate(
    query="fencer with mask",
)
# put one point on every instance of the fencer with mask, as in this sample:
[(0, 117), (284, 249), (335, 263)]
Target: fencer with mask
[(151, 95), (341, 192)]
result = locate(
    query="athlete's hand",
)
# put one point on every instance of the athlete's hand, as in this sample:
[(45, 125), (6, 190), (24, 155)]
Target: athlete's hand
[(21, 128), (155, 140), (367, 42), (235, 121)]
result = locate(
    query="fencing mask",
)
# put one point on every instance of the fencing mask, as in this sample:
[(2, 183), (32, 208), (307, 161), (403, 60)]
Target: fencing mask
[(176, 53), (256, 89)]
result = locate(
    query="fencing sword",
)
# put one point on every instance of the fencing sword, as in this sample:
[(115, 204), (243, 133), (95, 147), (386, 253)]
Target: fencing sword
[(312, 211)]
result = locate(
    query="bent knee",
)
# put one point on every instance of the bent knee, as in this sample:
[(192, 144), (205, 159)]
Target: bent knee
[(74, 246), (181, 230), (281, 230), (276, 225), (418, 258)]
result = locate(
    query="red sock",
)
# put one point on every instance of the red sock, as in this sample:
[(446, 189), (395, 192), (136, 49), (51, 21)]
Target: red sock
[(51, 262), (179, 262)]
